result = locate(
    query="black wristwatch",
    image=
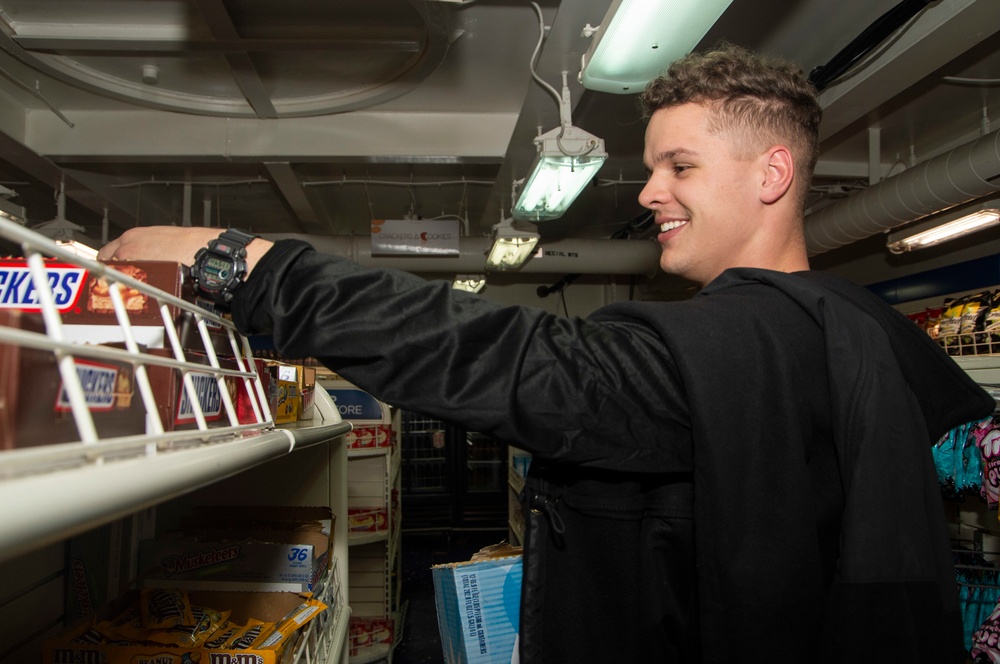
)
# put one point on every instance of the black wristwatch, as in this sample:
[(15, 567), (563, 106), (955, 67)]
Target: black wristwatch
[(221, 266)]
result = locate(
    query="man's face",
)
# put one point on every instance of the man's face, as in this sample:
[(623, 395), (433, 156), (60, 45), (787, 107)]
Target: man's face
[(702, 197)]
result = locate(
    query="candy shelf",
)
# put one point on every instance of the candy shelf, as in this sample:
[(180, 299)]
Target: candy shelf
[(56, 488)]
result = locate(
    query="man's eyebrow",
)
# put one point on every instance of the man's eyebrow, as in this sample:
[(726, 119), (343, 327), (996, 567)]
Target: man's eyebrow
[(672, 155)]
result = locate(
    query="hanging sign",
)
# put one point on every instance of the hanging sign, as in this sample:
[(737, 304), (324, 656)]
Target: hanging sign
[(423, 237)]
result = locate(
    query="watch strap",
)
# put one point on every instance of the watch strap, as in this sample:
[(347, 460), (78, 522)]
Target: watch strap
[(234, 239)]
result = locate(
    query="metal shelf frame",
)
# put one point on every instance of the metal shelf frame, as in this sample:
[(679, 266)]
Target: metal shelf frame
[(51, 492)]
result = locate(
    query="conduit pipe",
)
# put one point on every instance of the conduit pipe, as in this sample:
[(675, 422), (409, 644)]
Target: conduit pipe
[(564, 256), (964, 174)]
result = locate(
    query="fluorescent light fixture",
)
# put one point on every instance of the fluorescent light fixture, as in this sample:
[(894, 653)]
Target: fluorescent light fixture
[(568, 158), (66, 233), (942, 228), (473, 283), (638, 39), (80, 249), (11, 211), (511, 247)]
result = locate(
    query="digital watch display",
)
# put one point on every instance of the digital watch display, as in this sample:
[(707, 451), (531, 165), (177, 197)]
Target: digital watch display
[(221, 266)]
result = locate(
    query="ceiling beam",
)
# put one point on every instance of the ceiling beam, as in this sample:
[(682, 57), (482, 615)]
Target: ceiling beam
[(244, 72), (149, 45), (49, 173), (287, 182), (937, 36), (363, 135)]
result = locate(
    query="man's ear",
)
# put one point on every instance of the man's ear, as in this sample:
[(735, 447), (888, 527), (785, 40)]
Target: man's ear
[(779, 171)]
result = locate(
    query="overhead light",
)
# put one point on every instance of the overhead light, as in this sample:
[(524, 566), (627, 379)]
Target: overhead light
[(511, 247), (567, 160), (9, 210), (943, 228), (473, 283), (638, 39)]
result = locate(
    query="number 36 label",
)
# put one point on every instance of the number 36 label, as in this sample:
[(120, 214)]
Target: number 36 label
[(298, 554)]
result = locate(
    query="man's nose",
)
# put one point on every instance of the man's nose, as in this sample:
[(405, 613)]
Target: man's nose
[(653, 193)]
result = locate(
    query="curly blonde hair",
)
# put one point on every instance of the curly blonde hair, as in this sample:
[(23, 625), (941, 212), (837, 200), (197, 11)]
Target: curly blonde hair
[(757, 101)]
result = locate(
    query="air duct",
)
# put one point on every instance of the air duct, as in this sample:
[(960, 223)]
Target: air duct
[(959, 176), (564, 256)]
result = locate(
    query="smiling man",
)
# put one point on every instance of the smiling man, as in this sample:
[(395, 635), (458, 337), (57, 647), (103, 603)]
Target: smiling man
[(729, 171), (744, 476)]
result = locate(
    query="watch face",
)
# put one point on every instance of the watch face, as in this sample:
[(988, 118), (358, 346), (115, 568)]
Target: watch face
[(214, 272)]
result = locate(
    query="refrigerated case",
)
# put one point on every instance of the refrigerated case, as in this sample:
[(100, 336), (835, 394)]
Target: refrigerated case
[(452, 478)]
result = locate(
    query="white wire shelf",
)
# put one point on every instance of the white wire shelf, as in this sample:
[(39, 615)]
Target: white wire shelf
[(54, 491), (984, 369), (324, 638)]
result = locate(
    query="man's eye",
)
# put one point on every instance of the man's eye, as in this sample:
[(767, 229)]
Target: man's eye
[(680, 168)]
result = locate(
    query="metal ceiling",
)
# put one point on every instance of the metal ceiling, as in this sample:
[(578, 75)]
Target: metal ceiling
[(313, 117)]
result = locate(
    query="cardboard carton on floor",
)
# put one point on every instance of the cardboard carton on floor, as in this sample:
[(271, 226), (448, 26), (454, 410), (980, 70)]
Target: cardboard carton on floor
[(478, 607)]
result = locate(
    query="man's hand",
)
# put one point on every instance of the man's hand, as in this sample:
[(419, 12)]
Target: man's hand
[(171, 243)]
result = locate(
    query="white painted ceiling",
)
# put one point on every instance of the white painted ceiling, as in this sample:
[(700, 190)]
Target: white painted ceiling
[(315, 117)]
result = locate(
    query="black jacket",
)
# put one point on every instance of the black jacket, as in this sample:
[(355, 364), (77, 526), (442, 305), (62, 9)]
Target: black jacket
[(802, 407)]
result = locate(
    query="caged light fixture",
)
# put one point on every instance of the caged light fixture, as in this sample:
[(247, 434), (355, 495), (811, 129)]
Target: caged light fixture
[(638, 39), (567, 160), (511, 247), (9, 210), (472, 283), (945, 227)]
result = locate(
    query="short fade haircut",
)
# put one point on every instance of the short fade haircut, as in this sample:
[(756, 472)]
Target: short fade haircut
[(758, 101)]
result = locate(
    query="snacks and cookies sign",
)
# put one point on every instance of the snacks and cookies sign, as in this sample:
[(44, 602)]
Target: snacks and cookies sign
[(422, 237)]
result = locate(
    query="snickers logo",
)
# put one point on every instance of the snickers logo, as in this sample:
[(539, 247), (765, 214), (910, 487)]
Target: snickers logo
[(17, 290), (98, 382), (209, 398)]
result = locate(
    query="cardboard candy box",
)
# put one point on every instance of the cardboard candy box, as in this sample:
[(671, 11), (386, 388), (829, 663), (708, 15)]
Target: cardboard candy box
[(248, 548), (35, 406), (84, 301)]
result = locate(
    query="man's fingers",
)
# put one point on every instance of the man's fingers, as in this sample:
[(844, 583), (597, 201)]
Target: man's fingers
[(107, 252)]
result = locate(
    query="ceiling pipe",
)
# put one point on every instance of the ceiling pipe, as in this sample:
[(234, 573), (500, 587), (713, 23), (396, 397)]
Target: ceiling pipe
[(564, 256), (964, 174)]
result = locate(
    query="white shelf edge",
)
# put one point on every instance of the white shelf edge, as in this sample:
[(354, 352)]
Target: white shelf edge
[(372, 653), (360, 538), (343, 619), (49, 507), (362, 452), (984, 369)]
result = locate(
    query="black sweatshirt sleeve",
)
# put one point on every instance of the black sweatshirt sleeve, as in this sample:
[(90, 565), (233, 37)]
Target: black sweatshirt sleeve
[(601, 395)]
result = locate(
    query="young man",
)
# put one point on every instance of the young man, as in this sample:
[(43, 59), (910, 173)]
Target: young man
[(745, 476)]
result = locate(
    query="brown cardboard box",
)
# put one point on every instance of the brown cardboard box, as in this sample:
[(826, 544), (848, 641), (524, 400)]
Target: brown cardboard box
[(242, 548), (275, 560), (35, 407), (36, 411), (284, 395), (175, 410), (95, 308)]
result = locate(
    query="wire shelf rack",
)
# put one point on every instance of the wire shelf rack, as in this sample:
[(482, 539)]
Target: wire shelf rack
[(53, 488)]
